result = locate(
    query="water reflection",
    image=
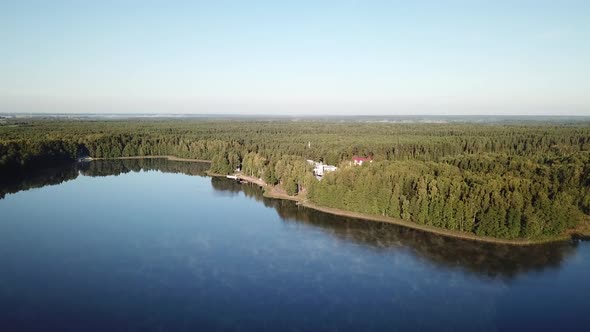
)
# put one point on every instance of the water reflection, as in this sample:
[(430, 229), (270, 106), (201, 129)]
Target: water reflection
[(10, 184), (489, 260), (59, 174), (117, 167)]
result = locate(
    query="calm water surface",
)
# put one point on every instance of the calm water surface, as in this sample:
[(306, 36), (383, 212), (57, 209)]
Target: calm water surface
[(154, 245)]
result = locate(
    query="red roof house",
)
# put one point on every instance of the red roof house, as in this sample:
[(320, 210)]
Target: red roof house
[(361, 160)]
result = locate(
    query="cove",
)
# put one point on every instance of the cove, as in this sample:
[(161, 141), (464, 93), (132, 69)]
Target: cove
[(150, 245)]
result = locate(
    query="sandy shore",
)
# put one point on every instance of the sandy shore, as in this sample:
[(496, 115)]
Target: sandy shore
[(277, 193), (430, 229)]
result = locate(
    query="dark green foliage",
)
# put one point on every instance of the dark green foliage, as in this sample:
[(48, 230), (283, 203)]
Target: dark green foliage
[(499, 204), (508, 181), (22, 155)]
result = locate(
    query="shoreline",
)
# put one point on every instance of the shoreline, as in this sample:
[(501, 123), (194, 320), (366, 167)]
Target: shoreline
[(431, 229), (172, 158), (273, 192)]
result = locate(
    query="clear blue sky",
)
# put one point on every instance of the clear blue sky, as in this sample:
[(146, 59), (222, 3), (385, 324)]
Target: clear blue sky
[(300, 57)]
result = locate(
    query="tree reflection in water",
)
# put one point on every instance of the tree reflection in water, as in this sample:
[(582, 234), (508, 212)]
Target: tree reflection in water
[(483, 259), (59, 174)]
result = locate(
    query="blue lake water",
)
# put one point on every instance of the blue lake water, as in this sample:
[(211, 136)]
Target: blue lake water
[(154, 245)]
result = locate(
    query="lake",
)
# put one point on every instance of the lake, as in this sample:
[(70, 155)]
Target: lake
[(155, 245)]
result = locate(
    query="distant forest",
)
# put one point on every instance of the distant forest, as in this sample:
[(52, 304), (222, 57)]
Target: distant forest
[(508, 181)]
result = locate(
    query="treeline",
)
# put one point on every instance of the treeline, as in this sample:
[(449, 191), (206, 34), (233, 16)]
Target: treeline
[(506, 181), (331, 142), (509, 202), (16, 156)]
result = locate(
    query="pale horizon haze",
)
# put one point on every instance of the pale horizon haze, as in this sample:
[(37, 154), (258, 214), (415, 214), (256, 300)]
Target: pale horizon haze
[(296, 57)]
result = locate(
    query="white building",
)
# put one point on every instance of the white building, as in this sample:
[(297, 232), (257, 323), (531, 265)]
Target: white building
[(329, 168), (319, 168)]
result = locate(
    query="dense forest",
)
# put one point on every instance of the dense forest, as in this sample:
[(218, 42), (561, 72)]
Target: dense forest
[(518, 180), (485, 259)]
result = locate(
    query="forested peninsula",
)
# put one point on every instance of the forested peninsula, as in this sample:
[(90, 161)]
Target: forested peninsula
[(516, 181)]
